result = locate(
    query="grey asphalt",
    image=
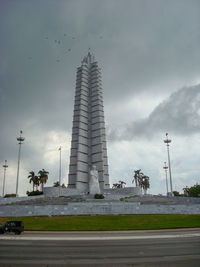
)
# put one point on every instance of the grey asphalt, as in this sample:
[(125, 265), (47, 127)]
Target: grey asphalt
[(129, 248)]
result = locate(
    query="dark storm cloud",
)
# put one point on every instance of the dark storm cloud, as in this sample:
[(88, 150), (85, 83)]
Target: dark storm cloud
[(139, 44), (179, 114), (34, 85), (156, 44)]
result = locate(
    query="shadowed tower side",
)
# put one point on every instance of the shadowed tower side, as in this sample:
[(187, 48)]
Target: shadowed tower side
[(88, 146)]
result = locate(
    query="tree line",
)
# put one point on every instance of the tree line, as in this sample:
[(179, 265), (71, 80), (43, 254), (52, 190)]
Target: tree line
[(193, 191)]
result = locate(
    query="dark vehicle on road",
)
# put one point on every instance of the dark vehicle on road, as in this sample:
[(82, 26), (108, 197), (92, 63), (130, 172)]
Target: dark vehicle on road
[(12, 226)]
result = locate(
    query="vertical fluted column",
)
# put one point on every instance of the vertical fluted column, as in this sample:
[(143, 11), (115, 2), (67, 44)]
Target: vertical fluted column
[(78, 170), (98, 135)]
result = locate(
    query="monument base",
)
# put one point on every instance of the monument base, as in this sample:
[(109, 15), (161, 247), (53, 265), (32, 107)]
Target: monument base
[(108, 193)]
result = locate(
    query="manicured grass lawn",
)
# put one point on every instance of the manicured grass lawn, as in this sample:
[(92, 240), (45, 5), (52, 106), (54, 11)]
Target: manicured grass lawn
[(107, 223)]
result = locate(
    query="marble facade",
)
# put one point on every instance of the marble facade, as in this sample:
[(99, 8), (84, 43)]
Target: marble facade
[(88, 145)]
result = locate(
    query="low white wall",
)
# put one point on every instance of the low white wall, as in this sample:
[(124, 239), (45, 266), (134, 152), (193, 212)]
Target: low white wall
[(60, 191), (9, 200), (126, 191), (96, 208), (116, 193)]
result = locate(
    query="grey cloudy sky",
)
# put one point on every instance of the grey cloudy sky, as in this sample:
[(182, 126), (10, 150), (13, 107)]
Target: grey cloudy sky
[(150, 59)]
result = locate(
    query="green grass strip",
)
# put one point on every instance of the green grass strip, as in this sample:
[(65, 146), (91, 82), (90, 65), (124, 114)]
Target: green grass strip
[(107, 223)]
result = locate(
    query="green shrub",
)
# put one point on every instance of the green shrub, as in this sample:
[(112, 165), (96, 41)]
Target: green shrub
[(98, 196), (10, 195), (194, 191), (34, 193), (176, 193)]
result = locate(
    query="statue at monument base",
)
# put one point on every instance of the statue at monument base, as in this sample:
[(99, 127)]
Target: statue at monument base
[(94, 187)]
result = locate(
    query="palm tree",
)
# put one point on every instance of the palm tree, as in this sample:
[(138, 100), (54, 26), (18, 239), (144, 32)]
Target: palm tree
[(122, 184), (43, 177), (56, 184), (119, 185), (37, 182), (145, 183), (141, 180), (33, 179), (116, 186), (137, 178)]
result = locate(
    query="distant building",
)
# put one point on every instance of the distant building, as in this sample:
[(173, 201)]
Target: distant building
[(88, 146)]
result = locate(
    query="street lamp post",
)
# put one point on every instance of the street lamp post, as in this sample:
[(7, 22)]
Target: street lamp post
[(60, 172), (20, 139), (167, 142), (165, 168), (4, 178)]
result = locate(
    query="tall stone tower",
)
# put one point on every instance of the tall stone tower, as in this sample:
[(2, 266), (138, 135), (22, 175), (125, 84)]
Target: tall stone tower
[(88, 146)]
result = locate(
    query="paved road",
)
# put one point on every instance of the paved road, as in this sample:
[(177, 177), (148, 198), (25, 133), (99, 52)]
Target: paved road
[(134, 248)]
